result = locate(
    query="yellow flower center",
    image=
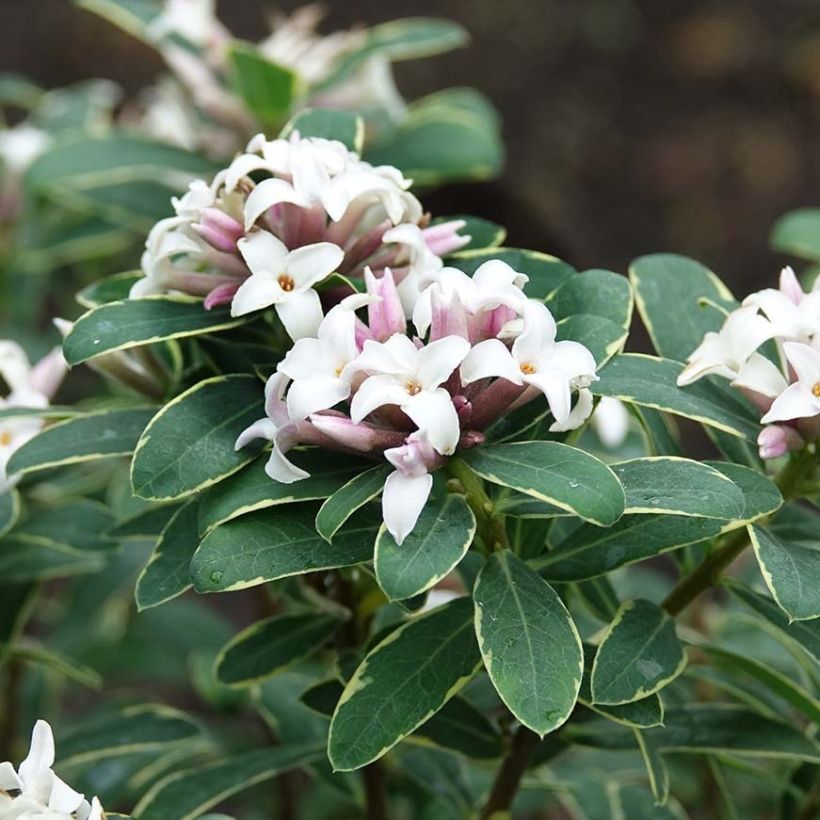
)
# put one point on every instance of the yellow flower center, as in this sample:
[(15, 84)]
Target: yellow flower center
[(286, 283), (5, 438), (816, 390), (528, 368), (413, 388)]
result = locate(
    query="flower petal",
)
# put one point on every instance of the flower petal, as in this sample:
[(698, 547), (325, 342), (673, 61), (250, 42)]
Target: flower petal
[(490, 358), (436, 361), (538, 334), (375, 392), (263, 252), (255, 293), (578, 415), (41, 753), (403, 499), (555, 386), (264, 428), (301, 313), (310, 395), (762, 376), (805, 360), (796, 402), (312, 263), (434, 414), (268, 193)]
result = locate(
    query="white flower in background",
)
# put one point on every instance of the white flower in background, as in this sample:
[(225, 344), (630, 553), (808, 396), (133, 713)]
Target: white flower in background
[(411, 378), (285, 279), (34, 792), (21, 145), (29, 387), (193, 20), (794, 315), (800, 399), (539, 362), (610, 420)]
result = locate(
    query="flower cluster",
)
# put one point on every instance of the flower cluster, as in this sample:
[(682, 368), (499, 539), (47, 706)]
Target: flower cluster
[(29, 387), (34, 792), (316, 209), (415, 383), (785, 386)]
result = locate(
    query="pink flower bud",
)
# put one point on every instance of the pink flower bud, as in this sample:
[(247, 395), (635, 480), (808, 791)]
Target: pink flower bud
[(48, 374), (219, 230), (416, 457), (221, 295), (448, 317), (776, 440), (349, 435), (790, 285), (385, 314), (444, 238)]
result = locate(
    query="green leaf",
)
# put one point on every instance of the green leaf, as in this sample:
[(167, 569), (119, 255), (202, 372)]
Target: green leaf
[(267, 88), (132, 16), (483, 233), (798, 233), (775, 681), (272, 645), (145, 525), (651, 382), (603, 337), (461, 727), (110, 289), (529, 643), (638, 655), (678, 486), (188, 794), (22, 561), (790, 571), (403, 682), (253, 489), (668, 290), (556, 473), (190, 444), (83, 438), (344, 126), (134, 729), (546, 273), (804, 633), (9, 510), (442, 536), (639, 714), (78, 525), (733, 730), (67, 667), (167, 573), (348, 498), (133, 322), (272, 544)]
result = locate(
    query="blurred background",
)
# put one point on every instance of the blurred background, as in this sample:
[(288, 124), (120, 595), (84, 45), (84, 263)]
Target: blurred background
[(632, 126)]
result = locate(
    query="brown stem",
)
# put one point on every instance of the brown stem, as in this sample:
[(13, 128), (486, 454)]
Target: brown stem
[(11, 708), (509, 775), (374, 792)]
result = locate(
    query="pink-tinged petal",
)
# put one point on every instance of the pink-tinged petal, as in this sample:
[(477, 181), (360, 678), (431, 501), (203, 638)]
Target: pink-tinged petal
[(301, 313), (41, 752), (385, 312), (777, 439), (436, 361), (355, 436), (449, 318), (580, 412), (312, 263), (443, 239), (805, 360), (432, 411), (268, 193), (48, 374), (313, 394), (263, 252), (255, 293), (403, 499), (280, 468), (221, 295), (264, 428), (275, 405), (375, 392), (761, 376), (555, 386), (538, 334), (219, 230), (796, 402), (415, 457), (490, 358), (790, 285)]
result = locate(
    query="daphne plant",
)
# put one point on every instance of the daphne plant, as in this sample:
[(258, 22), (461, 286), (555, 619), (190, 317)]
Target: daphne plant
[(366, 432)]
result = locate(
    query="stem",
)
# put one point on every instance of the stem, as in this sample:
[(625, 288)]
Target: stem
[(374, 794), (11, 708), (707, 572), (509, 775), (490, 526)]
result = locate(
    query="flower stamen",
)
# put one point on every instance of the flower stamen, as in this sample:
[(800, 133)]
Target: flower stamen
[(5, 438), (286, 283), (527, 368), (816, 390), (413, 388)]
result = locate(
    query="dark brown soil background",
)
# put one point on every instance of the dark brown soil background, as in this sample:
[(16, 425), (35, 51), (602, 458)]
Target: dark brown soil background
[(632, 126)]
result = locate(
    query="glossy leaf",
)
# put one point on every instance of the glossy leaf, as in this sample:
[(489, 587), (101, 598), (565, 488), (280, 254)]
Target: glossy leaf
[(110, 289), (443, 534), (529, 643), (132, 322), (791, 571), (638, 655), (556, 473), (342, 126), (402, 682), (9, 510), (190, 443), (77, 525), (22, 561), (145, 525), (350, 497), (798, 233), (83, 438), (267, 88), (272, 544)]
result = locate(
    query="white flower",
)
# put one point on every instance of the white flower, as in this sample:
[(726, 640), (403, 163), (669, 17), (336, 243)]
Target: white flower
[(285, 279), (407, 489), (802, 398), (319, 368), (411, 378), (30, 387), (195, 20), (537, 360), (730, 353), (495, 284), (794, 314), (611, 422), (167, 241), (420, 260), (40, 794), (21, 145)]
